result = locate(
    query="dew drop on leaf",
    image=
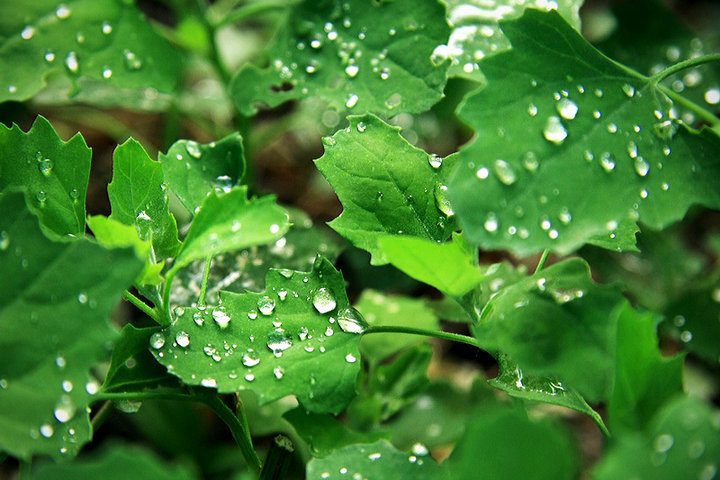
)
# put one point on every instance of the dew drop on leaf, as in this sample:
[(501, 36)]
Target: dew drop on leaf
[(278, 340), (323, 300), (47, 430), (4, 240), (351, 101), (64, 409), (182, 339), (350, 358), (132, 62), (71, 62), (27, 32), (208, 382), (642, 167), (266, 305), (628, 90), (62, 12), (45, 166), (250, 358), (350, 321), (567, 108), (221, 318), (193, 149), (157, 340), (435, 161), (555, 131), (607, 161), (504, 172), (279, 372)]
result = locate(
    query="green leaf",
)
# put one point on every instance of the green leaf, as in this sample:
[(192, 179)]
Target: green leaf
[(45, 357), (644, 379), (683, 442), (53, 174), (556, 323), (504, 443), (356, 56), (542, 172), (290, 340), (193, 170), (513, 381), (381, 193), (116, 462), (375, 460), (106, 40), (139, 198), (476, 31), (229, 221), (381, 310), (324, 433), (450, 267)]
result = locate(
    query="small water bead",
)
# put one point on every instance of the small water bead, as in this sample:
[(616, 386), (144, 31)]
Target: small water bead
[(352, 70), (27, 32), (554, 130), (532, 110), (712, 96), (607, 161), (71, 62), (278, 341), (251, 358), (323, 300), (612, 128), (49, 57), (221, 318), (374, 456), (565, 216), (350, 358), (132, 62), (107, 73), (686, 336), (567, 108), (45, 165), (597, 114), (644, 193), (504, 172), (632, 149), (157, 340), (665, 186), (107, 28), (642, 167), (530, 161), (351, 101), (361, 127), (482, 173), (182, 339), (67, 386), (435, 161), (62, 12), (4, 240), (47, 430), (64, 409), (329, 332), (208, 382), (553, 234), (60, 362), (598, 93), (663, 442), (491, 223), (193, 149), (628, 90), (279, 372), (266, 305), (249, 377)]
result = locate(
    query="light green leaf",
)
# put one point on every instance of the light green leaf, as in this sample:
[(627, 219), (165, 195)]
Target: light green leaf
[(106, 40), (45, 358), (376, 460), (644, 380), (513, 381), (358, 56), (504, 443), (54, 174), (572, 148), (229, 221), (382, 193), (450, 267), (289, 340), (556, 323), (380, 309), (116, 462), (193, 170), (682, 442), (476, 31), (138, 198), (324, 433)]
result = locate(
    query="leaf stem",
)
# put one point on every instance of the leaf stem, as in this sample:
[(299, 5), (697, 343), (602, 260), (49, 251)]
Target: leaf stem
[(150, 312), (142, 396), (543, 259), (253, 9), (693, 62), (204, 284), (454, 337), (692, 106), (102, 415)]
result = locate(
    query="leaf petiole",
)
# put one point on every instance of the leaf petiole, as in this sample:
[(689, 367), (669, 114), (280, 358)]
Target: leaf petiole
[(543, 259), (205, 278), (690, 63), (454, 337), (150, 312)]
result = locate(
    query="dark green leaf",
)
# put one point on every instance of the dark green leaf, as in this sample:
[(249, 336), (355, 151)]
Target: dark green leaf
[(138, 197), (45, 355), (572, 148), (193, 170), (381, 193), (358, 56), (289, 340), (54, 174), (106, 40)]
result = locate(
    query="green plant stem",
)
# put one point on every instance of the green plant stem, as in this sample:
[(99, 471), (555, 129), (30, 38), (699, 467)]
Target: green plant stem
[(143, 396), (238, 430), (692, 106), (678, 67), (145, 308), (253, 9), (543, 259), (205, 278), (102, 415), (169, 277), (211, 31), (454, 337)]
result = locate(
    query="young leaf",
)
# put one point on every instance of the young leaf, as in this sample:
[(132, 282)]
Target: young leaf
[(138, 198), (572, 148), (644, 380), (54, 174), (375, 460), (358, 56), (45, 356), (505, 443), (450, 267), (193, 170), (556, 323), (381, 193), (476, 31), (105, 40), (682, 442), (229, 221), (299, 338)]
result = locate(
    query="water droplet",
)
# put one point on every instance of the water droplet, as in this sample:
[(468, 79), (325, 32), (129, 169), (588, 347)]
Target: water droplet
[(482, 173), (632, 149), (67, 386), (107, 28), (157, 340), (607, 161), (374, 456), (665, 130), (712, 96), (266, 305), (629, 90), (60, 362), (393, 100), (361, 127), (49, 57), (250, 359), (491, 223), (686, 336), (71, 62), (329, 332), (278, 341), (532, 110), (47, 430), (530, 161), (435, 161), (504, 172), (27, 32), (644, 193), (62, 12), (566, 108), (350, 358), (663, 442), (420, 449), (208, 382), (64, 409), (221, 318), (612, 128), (350, 321), (351, 101), (642, 167), (182, 339), (279, 372), (555, 131), (4, 240), (323, 300), (352, 70), (45, 165), (132, 62), (193, 149), (249, 377)]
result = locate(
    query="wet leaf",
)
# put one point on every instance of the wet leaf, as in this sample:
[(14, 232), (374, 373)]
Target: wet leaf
[(289, 340), (45, 360), (193, 170), (572, 148), (52, 173), (381, 193), (358, 57), (105, 40)]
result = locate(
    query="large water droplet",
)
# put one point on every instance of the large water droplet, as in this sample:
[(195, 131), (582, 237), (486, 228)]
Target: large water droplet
[(182, 339), (278, 340), (64, 409), (62, 12), (27, 32), (47, 430), (712, 96), (193, 149), (352, 101), (352, 70), (323, 300), (607, 161), (266, 305), (221, 318), (504, 172), (642, 167), (351, 321), (435, 161), (251, 358), (157, 340), (45, 165), (554, 130), (566, 108)]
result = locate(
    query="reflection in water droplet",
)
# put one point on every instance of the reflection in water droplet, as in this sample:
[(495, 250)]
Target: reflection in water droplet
[(251, 358), (278, 341), (266, 305), (361, 127), (351, 321), (554, 130), (435, 161), (182, 339), (157, 340), (323, 300)]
